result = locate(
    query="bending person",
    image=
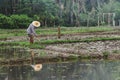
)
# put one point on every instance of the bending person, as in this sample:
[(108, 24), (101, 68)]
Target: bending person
[(31, 31)]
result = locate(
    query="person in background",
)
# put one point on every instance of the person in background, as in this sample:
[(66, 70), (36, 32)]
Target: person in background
[(31, 31)]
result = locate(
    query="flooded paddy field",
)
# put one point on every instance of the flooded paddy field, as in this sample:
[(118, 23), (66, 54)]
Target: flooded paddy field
[(78, 70), (76, 42), (73, 56)]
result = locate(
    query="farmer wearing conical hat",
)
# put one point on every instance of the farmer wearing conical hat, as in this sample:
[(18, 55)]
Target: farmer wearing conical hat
[(31, 30)]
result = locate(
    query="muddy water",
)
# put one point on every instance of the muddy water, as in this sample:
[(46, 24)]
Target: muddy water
[(13, 52), (85, 70)]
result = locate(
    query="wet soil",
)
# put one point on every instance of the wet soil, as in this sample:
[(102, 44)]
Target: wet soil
[(92, 49), (73, 36)]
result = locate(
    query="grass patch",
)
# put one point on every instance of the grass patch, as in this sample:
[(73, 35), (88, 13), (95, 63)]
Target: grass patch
[(86, 29), (22, 44), (6, 33), (105, 54), (42, 44), (42, 54), (116, 51), (75, 41)]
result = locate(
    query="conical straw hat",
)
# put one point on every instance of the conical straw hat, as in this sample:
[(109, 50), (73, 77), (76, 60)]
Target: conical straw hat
[(36, 23)]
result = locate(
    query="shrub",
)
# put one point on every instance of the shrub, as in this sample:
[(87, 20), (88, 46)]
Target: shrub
[(14, 21), (21, 21), (5, 22)]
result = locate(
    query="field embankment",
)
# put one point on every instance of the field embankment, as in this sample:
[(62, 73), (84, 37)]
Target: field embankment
[(76, 42)]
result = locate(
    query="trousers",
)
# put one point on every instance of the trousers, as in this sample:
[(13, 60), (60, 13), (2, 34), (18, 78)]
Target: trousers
[(31, 38)]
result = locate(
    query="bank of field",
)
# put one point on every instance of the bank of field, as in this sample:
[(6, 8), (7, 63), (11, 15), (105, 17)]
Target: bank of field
[(5, 33), (76, 41), (50, 35)]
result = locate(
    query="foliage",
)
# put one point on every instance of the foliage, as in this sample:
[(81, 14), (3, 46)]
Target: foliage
[(116, 51), (60, 12), (5, 22), (6, 33), (21, 21), (14, 21), (75, 41), (105, 54), (41, 44)]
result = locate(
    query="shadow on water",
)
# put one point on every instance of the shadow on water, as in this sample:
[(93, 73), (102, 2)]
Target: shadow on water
[(80, 70)]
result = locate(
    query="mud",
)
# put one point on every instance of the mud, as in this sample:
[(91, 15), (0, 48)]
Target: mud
[(92, 49)]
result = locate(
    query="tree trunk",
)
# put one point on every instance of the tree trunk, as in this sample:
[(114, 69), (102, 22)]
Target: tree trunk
[(109, 15), (113, 19), (119, 22), (71, 12), (45, 23), (60, 8), (31, 3), (98, 20), (54, 23), (88, 20)]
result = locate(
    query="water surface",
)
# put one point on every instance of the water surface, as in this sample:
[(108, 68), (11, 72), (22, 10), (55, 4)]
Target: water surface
[(85, 70)]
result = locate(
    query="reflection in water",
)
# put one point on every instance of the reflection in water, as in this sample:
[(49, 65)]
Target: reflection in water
[(6, 78), (64, 71), (37, 67), (14, 52)]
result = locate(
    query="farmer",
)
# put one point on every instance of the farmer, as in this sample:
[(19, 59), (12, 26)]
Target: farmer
[(31, 30)]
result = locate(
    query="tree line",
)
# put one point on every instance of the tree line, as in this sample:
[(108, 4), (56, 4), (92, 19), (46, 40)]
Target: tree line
[(64, 12)]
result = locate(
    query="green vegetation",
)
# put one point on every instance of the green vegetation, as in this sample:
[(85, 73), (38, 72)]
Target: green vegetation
[(58, 12), (75, 41), (14, 21), (105, 54), (6, 33), (78, 17), (22, 44), (116, 51), (42, 44)]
